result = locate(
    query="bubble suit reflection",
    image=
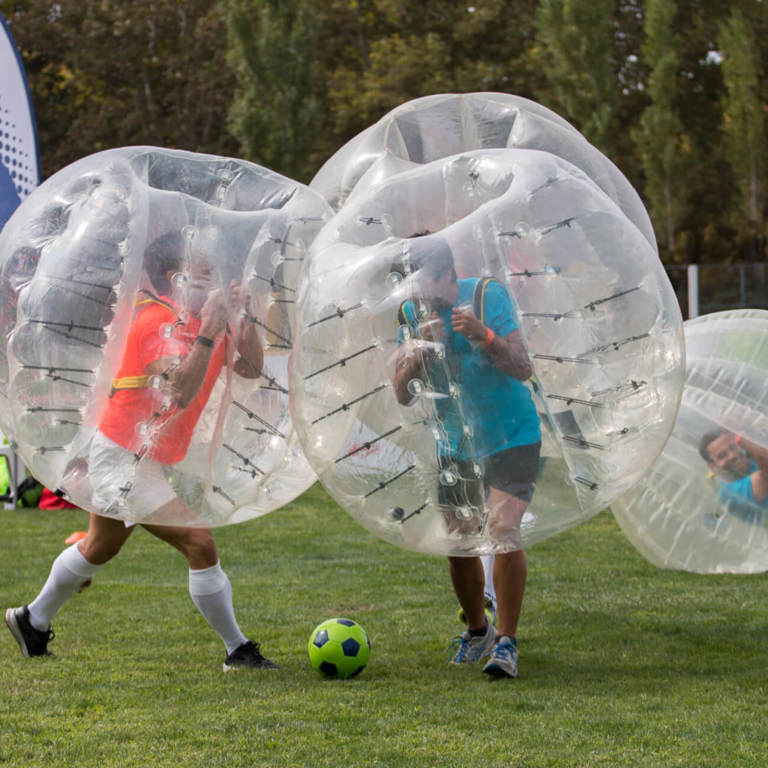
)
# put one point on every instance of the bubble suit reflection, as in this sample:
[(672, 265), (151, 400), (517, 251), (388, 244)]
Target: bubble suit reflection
[(710, 515), (106, 273), (598, 323)]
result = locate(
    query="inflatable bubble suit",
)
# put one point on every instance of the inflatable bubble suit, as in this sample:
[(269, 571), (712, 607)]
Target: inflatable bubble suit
[(432, 127), (703, 506), (600, 330), (107, 271)]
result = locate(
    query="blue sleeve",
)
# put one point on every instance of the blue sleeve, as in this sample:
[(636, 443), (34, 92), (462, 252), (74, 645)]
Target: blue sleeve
[(738, 490), (499, 310)]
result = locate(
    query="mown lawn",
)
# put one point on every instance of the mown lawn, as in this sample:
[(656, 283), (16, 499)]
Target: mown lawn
[(621, 664)]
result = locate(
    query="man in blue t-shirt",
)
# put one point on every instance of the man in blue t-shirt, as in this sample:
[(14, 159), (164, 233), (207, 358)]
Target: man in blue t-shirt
[(484, 416), (742, 467)]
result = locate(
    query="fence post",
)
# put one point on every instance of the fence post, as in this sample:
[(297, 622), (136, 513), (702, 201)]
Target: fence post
[(693, 291)]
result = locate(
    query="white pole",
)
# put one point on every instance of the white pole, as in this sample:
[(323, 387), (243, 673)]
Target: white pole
[(693, 291)]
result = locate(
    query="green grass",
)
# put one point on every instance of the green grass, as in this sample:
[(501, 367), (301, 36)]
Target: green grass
[(621, 664)]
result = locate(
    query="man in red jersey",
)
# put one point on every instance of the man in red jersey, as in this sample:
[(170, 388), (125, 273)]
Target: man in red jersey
[(173, 356)]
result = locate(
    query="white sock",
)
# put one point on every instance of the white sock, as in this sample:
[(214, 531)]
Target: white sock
[(487, 561), (211, 592), (70, 570)]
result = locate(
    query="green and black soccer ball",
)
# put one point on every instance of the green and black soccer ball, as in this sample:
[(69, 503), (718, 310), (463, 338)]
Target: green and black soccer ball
[(339, 648)]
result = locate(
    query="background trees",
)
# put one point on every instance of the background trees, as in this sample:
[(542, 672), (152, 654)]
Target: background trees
[(673, 91)]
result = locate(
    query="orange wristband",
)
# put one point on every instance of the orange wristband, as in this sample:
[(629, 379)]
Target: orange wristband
[(737, 439), (489, 337)]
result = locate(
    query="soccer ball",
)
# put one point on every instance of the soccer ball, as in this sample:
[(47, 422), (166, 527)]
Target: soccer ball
[(339, 648)]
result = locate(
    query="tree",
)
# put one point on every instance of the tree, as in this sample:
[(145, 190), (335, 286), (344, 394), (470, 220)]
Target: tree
[(105, 73), (576, 48), (744, 119), (377, 54), (665, 149), (275, 110)]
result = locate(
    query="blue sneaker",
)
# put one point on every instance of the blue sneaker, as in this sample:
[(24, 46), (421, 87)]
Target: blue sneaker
[(466, 649), (503, 660)]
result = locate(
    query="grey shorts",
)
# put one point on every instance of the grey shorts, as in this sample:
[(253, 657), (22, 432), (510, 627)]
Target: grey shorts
[(512, 471)]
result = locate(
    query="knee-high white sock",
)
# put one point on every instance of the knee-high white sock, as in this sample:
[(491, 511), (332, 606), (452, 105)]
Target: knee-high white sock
[(70, 570), (490, 591), (211, 592)]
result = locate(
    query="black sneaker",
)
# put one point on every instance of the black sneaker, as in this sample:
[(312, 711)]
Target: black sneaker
[(32, 641), (247, 656)]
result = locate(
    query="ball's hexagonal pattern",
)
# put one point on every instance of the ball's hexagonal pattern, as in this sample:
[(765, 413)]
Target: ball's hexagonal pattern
[(339, 648)]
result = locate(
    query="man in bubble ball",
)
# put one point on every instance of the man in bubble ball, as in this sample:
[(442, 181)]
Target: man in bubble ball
[(742, 468), (189, 365), (485, 355)]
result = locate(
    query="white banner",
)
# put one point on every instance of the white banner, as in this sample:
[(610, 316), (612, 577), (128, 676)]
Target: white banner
[(19, 152)]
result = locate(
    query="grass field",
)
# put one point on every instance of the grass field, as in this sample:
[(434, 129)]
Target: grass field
[(621, 664)]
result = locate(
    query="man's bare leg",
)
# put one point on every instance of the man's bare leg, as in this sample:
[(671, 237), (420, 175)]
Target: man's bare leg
[(468, 582), (209, 586), (70, 572)]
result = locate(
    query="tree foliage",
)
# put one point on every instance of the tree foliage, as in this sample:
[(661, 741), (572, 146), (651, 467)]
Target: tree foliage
[(664, 147), (672, 90), (577, 51), (744, 117), (106, 73), (272, 50)]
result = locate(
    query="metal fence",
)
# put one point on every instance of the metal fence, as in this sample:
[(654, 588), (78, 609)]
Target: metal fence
[(705, 288)]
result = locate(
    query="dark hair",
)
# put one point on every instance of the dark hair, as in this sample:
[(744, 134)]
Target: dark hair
[(433, 255), (162, 256), (708, 438)]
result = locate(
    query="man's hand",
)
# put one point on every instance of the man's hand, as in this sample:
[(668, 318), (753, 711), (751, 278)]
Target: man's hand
[(463, 321), (239, 299), (214, 314), (432, 329)]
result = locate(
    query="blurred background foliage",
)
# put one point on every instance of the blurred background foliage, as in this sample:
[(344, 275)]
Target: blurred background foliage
[(673, 92)]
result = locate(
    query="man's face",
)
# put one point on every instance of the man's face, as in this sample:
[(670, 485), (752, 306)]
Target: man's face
[(439, 291), (195, 288), (727, 458)]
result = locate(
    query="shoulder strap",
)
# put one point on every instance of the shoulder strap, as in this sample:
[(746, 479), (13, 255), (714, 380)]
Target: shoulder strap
[(145, 297), (478, 297), (404, 317)]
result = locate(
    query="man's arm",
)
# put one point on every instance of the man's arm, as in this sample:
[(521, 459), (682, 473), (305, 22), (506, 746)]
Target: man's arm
[(410, 363), (186, 378), (759, 479), (249, 346), (507, 353)]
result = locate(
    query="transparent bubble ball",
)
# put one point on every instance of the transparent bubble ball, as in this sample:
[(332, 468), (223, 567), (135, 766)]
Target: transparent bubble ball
[(437, 126), (85, 258), (702, 507), (572, 278)]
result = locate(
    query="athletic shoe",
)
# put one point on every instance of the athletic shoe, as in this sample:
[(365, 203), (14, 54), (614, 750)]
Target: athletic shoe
[(32, 641), (247, 656), (466, 649), (490, 612), (503, 660)]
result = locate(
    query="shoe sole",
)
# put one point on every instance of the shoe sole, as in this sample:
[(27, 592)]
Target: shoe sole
[(497, 671), (13, 625), (236, 667)]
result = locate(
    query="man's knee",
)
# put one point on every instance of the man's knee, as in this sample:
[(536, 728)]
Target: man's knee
[(465, 564), (200, 547)]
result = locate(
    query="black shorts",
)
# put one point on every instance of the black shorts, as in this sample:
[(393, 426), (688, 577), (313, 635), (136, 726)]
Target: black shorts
[(512, 471)]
